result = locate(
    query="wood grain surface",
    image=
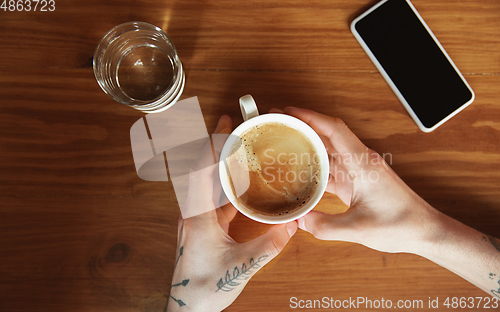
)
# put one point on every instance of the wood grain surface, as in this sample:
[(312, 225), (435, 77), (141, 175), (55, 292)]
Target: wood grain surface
[(79, 231)]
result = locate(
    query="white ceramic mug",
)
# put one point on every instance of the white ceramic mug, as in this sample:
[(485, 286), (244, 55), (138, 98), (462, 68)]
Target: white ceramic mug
[(252, 118)]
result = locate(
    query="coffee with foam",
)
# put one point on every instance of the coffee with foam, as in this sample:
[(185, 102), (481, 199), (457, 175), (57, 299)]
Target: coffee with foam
[(274, 169)]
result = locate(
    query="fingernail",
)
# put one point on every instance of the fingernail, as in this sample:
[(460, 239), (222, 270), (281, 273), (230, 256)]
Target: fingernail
[(222, 119), (291, 228)]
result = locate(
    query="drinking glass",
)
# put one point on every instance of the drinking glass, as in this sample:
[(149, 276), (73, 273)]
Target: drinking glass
[(137, 64)]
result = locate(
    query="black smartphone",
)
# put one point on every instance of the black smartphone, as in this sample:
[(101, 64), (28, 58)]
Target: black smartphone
[(413, 62)]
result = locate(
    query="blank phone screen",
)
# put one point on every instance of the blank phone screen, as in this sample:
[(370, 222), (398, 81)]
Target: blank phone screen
[(414, 62)]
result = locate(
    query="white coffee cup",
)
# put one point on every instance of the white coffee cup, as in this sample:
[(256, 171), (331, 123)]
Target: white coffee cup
[(252, 118)]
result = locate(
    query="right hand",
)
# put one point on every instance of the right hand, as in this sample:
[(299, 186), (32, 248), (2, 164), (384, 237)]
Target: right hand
[(384, 213)]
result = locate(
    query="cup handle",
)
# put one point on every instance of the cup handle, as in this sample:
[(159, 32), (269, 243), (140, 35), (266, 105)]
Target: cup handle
[(248, 107)]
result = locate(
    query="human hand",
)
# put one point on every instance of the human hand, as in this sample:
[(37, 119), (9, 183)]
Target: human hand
[(384, 213), (212, 269)]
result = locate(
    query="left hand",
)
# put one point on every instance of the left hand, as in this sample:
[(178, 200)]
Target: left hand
[(212, 269)]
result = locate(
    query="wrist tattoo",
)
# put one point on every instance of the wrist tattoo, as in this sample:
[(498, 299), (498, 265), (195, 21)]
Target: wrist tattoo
[(229, 282), (183, 283), (181, 250), (496, 292), (494, 242)]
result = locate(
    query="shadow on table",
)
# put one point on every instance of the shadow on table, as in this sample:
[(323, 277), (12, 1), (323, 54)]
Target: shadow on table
[(362, 10)]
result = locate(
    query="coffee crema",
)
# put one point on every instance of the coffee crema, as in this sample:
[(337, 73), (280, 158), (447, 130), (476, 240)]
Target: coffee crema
[(274, 168)]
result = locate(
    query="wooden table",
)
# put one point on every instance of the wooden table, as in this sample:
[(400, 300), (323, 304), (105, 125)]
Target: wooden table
[(79, 231)]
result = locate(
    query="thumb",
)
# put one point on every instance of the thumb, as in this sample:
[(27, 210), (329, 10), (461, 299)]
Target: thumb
[(272, 242), (224, 125), (327, 227)]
